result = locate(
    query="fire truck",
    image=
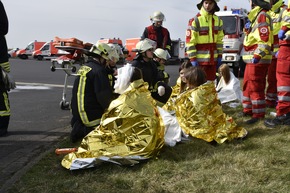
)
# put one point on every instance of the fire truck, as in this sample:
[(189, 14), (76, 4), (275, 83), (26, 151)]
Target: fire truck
[(233, 25)]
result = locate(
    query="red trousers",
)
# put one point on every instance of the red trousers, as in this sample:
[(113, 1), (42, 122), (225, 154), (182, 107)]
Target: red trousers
[(254, 89), (210, 71), (271, 92), (283, 80)]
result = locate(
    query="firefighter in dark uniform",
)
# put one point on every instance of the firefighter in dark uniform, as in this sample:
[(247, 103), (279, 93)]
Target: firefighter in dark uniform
[(157, 32), (160, 58), (160, 91), (92, 91), (5, 66)]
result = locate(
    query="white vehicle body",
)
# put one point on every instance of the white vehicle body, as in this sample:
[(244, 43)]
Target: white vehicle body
[(233, 25), (177, 51), (48, 51)]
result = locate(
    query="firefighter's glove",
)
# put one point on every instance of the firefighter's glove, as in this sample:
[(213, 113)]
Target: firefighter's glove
[(161, 90), (281, 34), (194, 63), (276, 55), (8, 80), (255, 60), (248, 25)]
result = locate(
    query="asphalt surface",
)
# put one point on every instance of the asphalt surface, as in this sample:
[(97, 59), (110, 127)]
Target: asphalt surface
[(37, 122)]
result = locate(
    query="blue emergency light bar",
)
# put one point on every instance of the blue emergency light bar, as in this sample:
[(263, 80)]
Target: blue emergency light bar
[(236, 11)]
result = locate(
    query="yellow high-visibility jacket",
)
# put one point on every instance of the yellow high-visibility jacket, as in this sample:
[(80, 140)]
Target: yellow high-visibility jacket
[(204, 38), (276, 13), (259, 38)]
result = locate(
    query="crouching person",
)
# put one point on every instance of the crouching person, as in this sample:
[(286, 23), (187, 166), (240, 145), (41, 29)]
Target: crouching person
[(160, 91), (92, 91), (131, 129)]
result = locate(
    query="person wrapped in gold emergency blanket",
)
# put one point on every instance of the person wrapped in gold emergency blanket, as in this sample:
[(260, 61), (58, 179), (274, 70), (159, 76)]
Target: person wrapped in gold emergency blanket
[(199, 112), (130, 130)]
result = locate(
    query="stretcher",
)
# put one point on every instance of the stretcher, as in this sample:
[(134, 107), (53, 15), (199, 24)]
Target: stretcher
[(69, 62)]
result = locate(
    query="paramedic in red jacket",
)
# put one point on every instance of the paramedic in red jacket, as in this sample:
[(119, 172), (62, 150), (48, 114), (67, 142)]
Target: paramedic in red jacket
[(283, 74), (258, 56), (157, 32)]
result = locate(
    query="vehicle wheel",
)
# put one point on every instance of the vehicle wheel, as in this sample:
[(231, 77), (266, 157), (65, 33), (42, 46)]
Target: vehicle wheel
[(64, 105), (39, 57)]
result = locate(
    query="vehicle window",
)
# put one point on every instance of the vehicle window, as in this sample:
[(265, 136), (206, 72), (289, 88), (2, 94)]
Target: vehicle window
[(46, 47), (229, 24)]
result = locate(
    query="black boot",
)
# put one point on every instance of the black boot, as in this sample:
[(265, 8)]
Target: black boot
[(4, 122), (278, 120), (252, 121), (77, 132), (3, 132)]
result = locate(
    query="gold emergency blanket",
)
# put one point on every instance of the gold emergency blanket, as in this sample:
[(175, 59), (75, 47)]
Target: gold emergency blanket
[(131, 128), (200, 115)]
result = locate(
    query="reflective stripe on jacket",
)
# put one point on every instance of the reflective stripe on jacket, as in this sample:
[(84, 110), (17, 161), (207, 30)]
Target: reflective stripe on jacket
[(259, 38), (204, 38), (285, 25), (276, 15)]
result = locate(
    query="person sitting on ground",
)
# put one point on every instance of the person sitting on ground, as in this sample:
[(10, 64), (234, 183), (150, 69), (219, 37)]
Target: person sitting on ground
[(199, 112), (228, 87), (92, 91), (131, 129), (178, 88), (160, 91)]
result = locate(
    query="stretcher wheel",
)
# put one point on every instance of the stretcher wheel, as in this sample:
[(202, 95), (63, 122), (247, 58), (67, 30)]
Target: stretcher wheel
[(64, 105), (74, 69), (52, 68)]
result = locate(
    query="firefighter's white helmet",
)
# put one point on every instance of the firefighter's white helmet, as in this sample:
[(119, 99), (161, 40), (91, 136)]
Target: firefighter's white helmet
[(163, 54), (119, 52), (157, 16), (144, 45)]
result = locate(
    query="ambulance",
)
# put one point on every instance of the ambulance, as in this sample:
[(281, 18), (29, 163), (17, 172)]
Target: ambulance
[(48, 51), (233, 25), (31, 47)]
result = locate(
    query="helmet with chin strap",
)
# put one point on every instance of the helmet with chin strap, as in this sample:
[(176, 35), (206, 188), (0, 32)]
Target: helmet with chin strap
[(163, 54), (157, 16), (216, 8), (103, 50), (144, 45), (265, 4)]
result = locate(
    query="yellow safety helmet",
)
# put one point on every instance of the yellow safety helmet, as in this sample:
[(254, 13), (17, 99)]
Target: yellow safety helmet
[(104, 50), (144, 45), (163, 54), (216, 8), (157, 16)]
